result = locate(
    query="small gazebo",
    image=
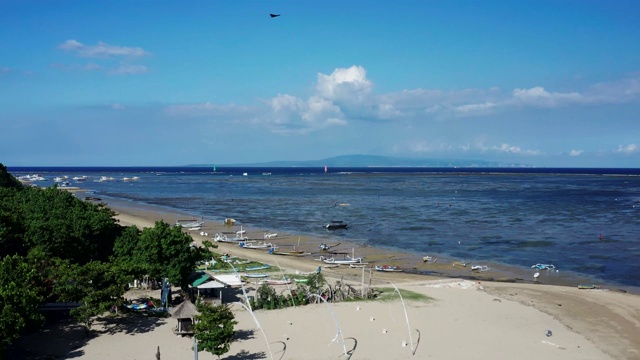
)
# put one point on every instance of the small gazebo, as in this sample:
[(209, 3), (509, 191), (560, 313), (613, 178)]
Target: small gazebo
[(184, 313)]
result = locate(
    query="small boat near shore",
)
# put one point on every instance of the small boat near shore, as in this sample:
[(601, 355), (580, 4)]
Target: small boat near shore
[(543, 267), (480, 268)]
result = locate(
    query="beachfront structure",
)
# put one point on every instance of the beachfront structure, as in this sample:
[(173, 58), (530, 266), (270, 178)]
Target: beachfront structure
[(185, 313)]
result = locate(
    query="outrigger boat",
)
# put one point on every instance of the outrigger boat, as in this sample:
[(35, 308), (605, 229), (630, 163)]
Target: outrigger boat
[(224, 238), (189, 223), (259, 245)]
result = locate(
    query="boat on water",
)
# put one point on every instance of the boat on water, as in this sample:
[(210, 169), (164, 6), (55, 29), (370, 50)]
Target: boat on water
[(229, 221), (269, 235), (336, 224), (387, 268)]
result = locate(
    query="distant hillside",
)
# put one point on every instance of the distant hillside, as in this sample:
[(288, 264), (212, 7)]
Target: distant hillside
[(374, 161)]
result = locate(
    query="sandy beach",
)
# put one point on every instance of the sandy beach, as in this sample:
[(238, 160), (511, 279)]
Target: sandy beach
[(463, 318)]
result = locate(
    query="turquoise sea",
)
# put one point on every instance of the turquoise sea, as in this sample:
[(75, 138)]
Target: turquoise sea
[(584, 221)]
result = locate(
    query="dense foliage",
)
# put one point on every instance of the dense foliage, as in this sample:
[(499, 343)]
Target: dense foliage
[(56, 247), (20, 294), (214, 328)]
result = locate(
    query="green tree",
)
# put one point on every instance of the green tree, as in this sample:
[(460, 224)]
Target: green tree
[(7, 180), (11, 225), (97, 286), (21, 291), (214, 328)]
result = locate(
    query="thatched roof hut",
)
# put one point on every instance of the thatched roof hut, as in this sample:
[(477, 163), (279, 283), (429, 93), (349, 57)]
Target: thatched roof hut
[(184, 313)]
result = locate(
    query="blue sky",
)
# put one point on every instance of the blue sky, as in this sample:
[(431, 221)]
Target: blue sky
[(544, 83)]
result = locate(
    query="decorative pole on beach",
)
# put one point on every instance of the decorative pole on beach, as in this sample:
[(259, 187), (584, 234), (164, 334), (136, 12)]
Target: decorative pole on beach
[(335, 320), (405, 315), (248, 307)]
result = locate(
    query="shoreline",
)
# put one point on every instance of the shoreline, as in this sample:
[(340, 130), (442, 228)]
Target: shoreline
[(411, 263)]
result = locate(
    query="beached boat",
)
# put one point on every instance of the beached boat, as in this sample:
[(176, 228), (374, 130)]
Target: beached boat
[(256, 276), (259, 245), (229, 221), (346, 261), (293, 252), (269, 235), (326, 247), (543, 267), (387, 268), (224, 238), (336, 224), (358, 266), (480, 268), (189, 223), (261, 267)]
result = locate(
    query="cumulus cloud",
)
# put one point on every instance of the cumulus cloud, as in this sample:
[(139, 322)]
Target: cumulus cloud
[(576, 152), (345, 84), (102, 50), (627, 149)]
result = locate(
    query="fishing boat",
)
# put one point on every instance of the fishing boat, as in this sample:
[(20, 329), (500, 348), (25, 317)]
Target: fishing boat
[(189, 223), (480, 268), (259, 245), (293, 252), (387, 268), (229, 221), (326, 247), (223, 238), (261, 267), (269, 235), (346, 259), (336, 224), (543, 267)]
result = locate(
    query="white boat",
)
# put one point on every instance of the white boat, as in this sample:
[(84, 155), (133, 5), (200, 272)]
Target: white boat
[(229, 221), (259, 245), (269, 235), (190, 223), (480, 268), (80, 178), (347, 261), (224, 238)]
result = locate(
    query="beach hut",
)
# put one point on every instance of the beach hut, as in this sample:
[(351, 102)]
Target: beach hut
[(211, 292), (184, 313)]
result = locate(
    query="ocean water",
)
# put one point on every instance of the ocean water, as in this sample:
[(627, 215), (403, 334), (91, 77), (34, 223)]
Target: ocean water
[(584, 221)]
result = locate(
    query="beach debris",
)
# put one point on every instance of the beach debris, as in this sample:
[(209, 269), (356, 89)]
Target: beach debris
[(384, 331), (372, 319), (427, 258), (404, 343), (548, 333), (497, 300)]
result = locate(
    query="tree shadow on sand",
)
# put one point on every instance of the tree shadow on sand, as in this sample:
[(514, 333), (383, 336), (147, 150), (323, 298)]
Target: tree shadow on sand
[(59, 339), (244, 335), (130, 324), (245, 355)]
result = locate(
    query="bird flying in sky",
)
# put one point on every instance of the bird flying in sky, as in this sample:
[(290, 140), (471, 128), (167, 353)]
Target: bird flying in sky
[(274, 15)]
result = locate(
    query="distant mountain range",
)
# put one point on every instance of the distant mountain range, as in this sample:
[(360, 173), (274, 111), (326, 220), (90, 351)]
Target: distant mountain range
[(375, 161)]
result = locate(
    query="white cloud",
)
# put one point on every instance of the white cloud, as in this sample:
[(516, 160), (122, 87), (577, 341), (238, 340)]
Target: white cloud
[(628, 149), (344, 84), (102, 50), (576, 152), (538, 96), (506, 148)]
